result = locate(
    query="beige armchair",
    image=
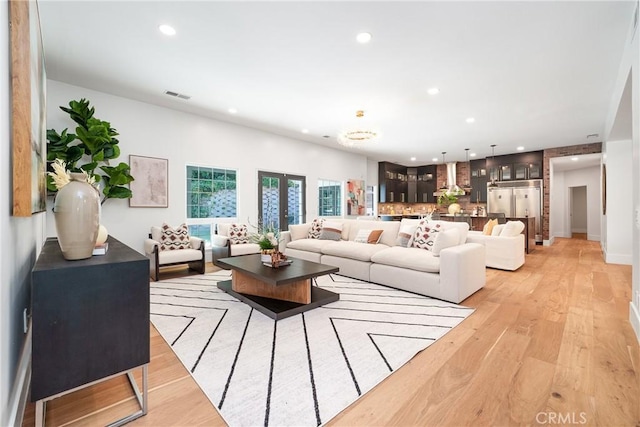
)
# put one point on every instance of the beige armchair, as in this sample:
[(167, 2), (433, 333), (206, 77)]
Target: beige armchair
[(167, 246), (222, 247)]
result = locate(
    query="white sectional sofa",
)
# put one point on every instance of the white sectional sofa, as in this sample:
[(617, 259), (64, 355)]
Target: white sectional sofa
[(455, 274), (504, 247)]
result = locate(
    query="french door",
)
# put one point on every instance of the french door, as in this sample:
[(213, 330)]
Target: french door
[(281, 199)]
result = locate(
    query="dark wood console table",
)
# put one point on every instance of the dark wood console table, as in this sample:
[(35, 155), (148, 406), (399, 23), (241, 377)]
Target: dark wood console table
[(90, 322)]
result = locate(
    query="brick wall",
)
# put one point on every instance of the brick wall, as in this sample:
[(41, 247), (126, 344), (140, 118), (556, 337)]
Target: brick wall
[(463, 173), (550, 153)]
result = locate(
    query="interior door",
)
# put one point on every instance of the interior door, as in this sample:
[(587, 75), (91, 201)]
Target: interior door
[(281, 199)]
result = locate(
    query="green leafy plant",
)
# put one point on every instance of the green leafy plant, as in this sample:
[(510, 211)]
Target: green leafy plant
[(91, 148), (446, 199)]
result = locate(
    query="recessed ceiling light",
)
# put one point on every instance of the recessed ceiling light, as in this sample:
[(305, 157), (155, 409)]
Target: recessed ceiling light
[(232, 110), (433, 91), (363, 38), (520, 148), (575, 159), (167, 30), (435, 159), (472, 154), (413, 159), (305, 131), (471, 120)]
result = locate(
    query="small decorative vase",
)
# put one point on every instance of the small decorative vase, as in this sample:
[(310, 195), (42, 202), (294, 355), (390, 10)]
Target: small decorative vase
[(265, 255), (76, 211), (454, 208)]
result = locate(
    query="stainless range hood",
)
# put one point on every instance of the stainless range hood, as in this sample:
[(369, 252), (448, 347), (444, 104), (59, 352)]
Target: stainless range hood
[(451, 187)]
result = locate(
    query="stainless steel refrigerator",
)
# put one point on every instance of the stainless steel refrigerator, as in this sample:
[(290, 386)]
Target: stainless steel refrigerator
[(517, 199)]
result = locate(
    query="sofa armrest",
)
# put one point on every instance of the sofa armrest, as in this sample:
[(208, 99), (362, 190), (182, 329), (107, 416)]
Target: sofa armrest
[(462, 271), (196, 242), (285, 238), (219, 240), (150, 246)]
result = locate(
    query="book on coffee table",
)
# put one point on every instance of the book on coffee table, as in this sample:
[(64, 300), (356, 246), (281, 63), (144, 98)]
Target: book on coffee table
[(101, 249)]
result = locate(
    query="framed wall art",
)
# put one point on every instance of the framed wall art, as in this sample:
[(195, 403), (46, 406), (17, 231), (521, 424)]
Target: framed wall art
[(355, 197), (28, 117), (150, 187)]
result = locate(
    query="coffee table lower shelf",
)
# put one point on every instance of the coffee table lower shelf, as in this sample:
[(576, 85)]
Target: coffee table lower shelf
[(278, 309)]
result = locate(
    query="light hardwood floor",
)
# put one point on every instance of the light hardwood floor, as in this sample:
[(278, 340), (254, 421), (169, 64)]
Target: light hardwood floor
[(550, 344)]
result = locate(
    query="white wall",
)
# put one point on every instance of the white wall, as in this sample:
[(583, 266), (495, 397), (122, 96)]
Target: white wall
[(20, 243), (560, 196), (578, 209), (149, 130), (631, 64), (618, 243)]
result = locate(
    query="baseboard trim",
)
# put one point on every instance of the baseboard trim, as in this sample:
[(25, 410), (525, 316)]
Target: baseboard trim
[(610, 258), (20, 390), (634, 318), (548, 242)]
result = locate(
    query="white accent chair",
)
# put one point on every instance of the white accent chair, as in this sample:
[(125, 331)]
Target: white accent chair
[(194, 256), (221, 246)]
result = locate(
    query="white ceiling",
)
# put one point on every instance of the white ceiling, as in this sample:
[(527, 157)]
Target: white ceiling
[(536, 74)]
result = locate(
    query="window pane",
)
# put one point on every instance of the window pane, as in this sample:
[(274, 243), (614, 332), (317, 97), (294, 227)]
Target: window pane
[(211, 192), (202, 231), (329, 198)]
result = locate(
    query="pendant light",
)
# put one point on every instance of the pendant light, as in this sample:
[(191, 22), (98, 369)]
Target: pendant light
[(467, 186), (444, 187), (493, 159)]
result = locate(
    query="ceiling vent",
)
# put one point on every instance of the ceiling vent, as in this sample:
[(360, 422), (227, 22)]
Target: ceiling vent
[(176, 94)]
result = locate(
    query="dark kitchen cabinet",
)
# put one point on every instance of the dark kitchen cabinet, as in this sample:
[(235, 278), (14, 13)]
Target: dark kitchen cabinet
[(392, 183), (515, 166), (426, 184), (479, 179)]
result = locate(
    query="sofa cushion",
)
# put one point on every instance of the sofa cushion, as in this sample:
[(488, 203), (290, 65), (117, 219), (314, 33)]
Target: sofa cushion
[(174, 238), (238, 234), (174, 257), (299, 231), (512, 228), (425, 235), (245, 249), (353, 250), (445, 239), (316, 228), (411, 258), (331, 230), (497, 229), (309, 245)]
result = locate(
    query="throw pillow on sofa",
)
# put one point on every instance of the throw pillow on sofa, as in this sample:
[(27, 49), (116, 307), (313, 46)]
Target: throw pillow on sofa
[(488, 227), (174, 238), (445, 239), (512, 228), (238, 234), (497, 230), (425, 235), (331, 231), (405, 234), (368, 236), (316, 228)]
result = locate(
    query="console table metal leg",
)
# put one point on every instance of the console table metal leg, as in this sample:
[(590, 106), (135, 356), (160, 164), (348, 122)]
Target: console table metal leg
[(140, 397)]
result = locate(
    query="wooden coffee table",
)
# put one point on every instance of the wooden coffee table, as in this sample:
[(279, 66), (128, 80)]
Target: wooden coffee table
[(277, 292)]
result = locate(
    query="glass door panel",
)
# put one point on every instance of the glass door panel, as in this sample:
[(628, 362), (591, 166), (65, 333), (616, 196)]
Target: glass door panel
[(281, 199)]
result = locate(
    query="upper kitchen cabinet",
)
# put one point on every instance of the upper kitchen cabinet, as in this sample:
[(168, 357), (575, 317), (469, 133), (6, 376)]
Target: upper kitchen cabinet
[(515, 166), (479, 179), (426, 184), (393, 183)]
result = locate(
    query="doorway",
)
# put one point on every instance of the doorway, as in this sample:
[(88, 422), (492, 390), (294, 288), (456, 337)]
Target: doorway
[(281, 199), (578, 212)]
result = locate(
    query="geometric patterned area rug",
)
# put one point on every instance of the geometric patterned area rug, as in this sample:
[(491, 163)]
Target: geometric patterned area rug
[(302, 370)]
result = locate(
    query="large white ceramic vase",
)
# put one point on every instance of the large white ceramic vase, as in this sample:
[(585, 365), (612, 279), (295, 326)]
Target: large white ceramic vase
[(77, 216)]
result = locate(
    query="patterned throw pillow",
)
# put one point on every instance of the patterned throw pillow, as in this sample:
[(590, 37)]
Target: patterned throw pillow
[(174, 238), (238, 234), (425, 235), (316, 228)]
